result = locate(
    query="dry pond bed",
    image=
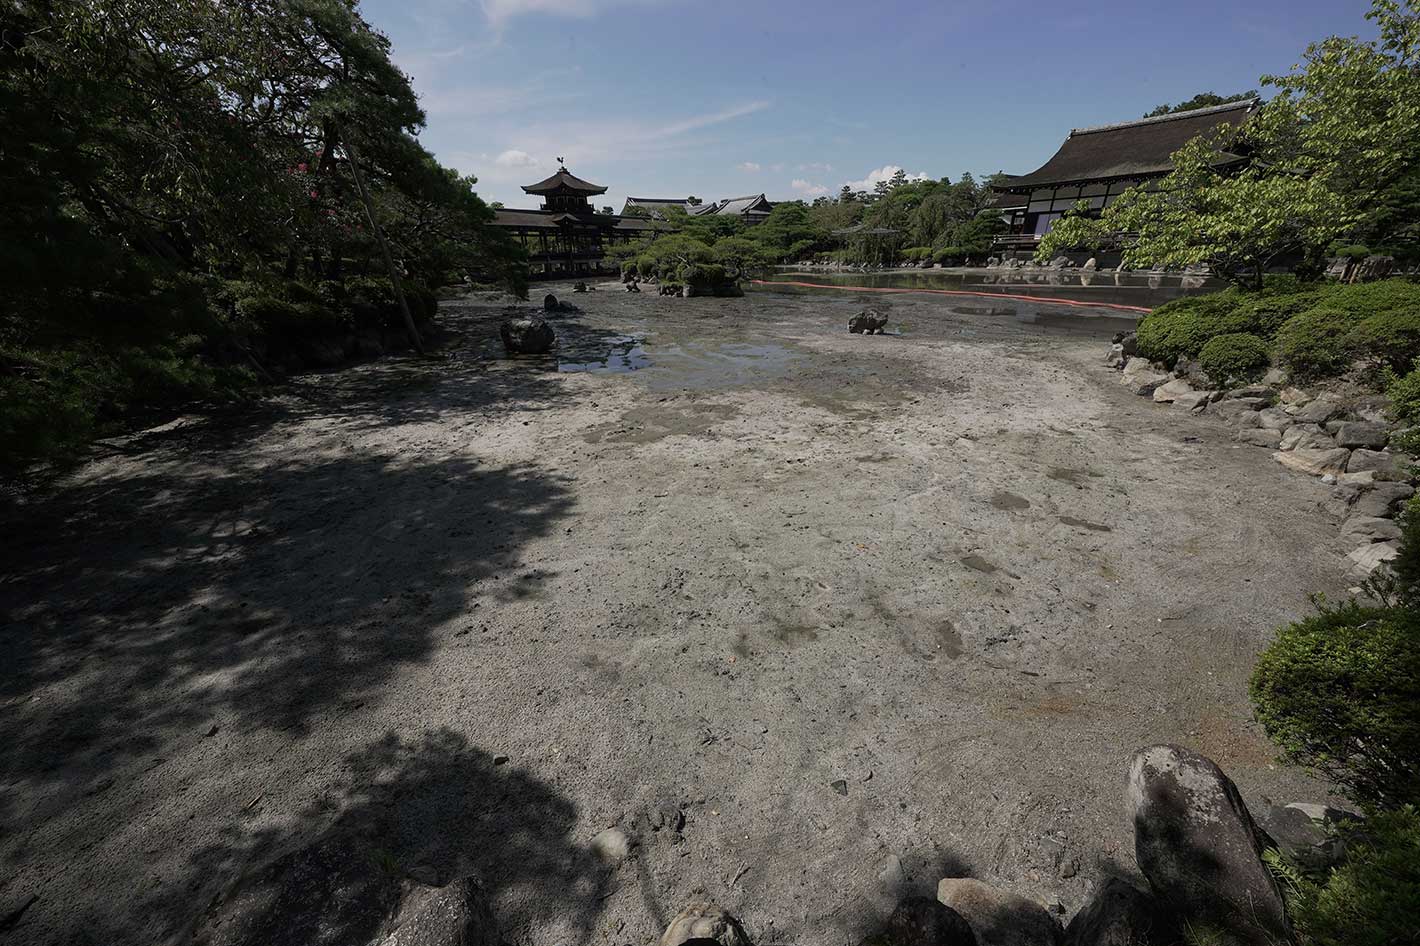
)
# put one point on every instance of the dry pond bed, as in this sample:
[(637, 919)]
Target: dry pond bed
[(815, 618)]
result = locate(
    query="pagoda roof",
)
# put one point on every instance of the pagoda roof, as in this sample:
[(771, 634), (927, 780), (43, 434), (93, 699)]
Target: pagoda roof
[(563, 181), (1142, 148), (743, 205)]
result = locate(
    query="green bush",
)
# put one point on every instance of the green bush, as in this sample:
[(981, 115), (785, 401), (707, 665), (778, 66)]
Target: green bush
[(1390, 338), (1237, 356), (1181, 328), (1404, 393), (1371, 298), (703, 277), (1373, 899), (1338, 692), (1317, 342)]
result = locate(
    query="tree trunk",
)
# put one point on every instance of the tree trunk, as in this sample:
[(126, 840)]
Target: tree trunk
[(409, 326)]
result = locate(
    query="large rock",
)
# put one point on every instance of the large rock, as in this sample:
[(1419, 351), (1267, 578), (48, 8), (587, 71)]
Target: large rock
[(339, 891), (1232, 410), (1196, 843), (1302, 839), (1116, 357), (1194, 401), (1318, 411), (1370, 529), (1259, 437), (999, 917), (1141, 377), (1360, 433), (1379, 461), (1314, 462), (922, 921), (702, 920), (868, 322), (527, 336), (1120, 914), (1371, 556), (1262, 392), (1308, 437), (1170, 390), (1274, 418), (1380, 500)]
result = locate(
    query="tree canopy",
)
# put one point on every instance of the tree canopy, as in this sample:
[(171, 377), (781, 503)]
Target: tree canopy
[(164, 161), (1334, 157)]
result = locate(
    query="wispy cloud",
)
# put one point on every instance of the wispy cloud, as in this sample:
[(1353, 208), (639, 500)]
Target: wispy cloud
[(815, 167), (807, 188), (714, 118), (750, 166), (884, 173), (513, 158), (501, 11)]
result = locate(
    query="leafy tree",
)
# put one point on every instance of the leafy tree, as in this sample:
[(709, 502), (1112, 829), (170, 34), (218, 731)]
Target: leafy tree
[(1343, 128), (1201, 100)]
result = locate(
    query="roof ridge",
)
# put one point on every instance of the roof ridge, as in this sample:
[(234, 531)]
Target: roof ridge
[(1172, 116)]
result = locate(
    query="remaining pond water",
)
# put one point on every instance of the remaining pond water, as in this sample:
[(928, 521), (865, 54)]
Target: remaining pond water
[(1145, 290)]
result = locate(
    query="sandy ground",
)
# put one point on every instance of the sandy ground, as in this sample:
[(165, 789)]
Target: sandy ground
[(958, 569)]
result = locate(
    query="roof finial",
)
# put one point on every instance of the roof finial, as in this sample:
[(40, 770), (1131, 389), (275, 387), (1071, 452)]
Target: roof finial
[(562, 162)]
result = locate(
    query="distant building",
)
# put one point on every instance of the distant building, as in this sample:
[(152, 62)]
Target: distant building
[(656, 207), (750, 209), (567, 236), (1100, 163)]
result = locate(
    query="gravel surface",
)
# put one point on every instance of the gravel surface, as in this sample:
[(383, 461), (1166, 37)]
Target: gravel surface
[(813, 619)]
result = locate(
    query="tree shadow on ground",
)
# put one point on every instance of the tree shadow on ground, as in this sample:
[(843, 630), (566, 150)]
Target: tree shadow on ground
[(435, 808), (264, 593)]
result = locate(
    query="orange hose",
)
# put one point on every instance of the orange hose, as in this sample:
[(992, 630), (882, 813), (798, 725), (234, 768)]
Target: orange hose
[(960, 292)]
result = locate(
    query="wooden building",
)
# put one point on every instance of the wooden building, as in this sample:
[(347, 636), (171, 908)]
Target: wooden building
[(656, 207), (566, 236), (751, 209), (1100, 163)]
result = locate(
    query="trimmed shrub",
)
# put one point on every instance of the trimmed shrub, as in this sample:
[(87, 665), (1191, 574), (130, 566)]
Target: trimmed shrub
[(703, 277), (1373, 899), (1270, 311), (1371, 298), (1338, 693), (1181, 328), (1237, 356), (1317, 342), (1389, 338)]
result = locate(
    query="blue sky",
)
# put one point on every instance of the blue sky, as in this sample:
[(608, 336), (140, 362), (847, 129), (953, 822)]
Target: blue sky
[(666, 98)]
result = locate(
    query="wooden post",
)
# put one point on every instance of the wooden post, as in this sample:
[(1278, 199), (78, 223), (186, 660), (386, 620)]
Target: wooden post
[(409, 326)]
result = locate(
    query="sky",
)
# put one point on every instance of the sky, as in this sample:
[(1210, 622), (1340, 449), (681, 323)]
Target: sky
[(672, 98)]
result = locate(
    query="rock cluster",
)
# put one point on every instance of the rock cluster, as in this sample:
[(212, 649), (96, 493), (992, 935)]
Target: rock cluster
[(529, 335), (1343, 440), (1195, 842), (868, 322)]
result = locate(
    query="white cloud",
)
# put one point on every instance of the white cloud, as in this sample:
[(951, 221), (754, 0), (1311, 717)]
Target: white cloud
[(808, 188), (500, 11), (513, 158), (815, 167), (747, 166), (714, 118), (883, 173)]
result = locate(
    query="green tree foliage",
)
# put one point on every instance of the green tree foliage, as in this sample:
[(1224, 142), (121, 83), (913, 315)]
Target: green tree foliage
[(1373, 898), (1337, 692), (1201, 100), (1333, 155), (156, 152)]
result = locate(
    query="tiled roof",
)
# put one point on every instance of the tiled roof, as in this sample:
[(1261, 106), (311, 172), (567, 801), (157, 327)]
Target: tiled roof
[(564, 180)]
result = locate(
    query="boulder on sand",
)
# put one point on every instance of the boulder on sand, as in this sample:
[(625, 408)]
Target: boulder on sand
[(1315, 462), (527, 336), (999, 917), (868, 322), (338, 891), (922, 921), (1120, 914), (701, 921), (1196, 843), (1170, 391), (1141, 377)]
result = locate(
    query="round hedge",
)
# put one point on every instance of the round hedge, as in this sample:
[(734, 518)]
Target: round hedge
[(1318, 341), (1239, 356), (1390, 338), (1181, 328), (1339, 692)]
